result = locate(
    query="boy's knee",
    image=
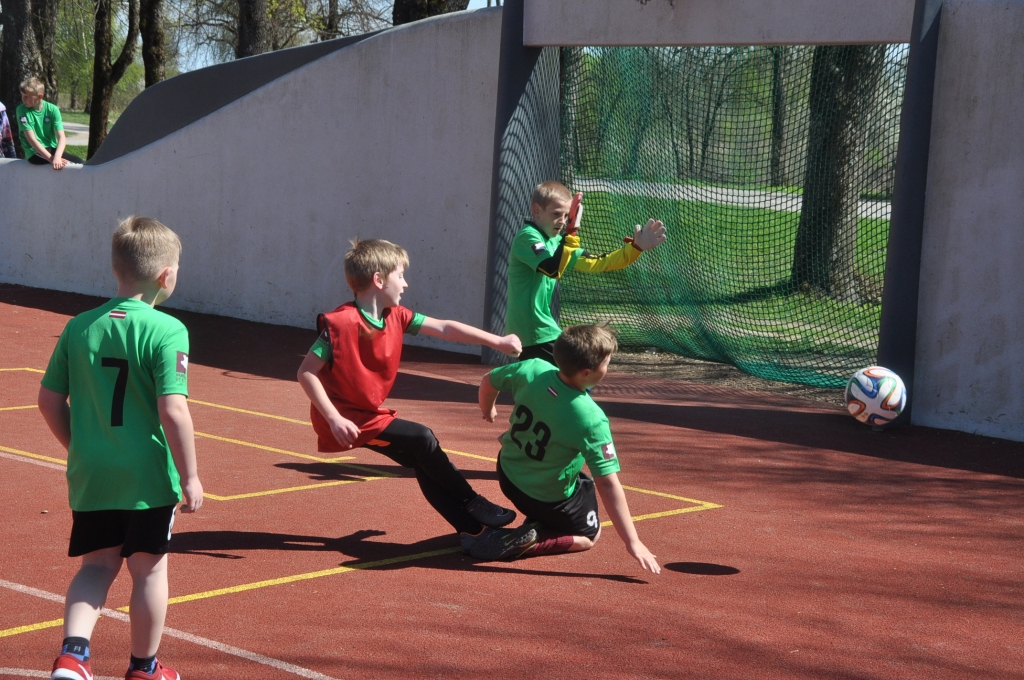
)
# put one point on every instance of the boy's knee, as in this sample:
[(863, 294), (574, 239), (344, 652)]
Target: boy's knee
[(142, 564)]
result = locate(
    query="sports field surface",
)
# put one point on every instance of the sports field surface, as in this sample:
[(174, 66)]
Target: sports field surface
[(796, 542)]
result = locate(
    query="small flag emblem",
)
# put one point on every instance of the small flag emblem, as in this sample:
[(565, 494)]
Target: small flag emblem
[(118, 314), (182, 365), (552, 391), (538, 247), (608, 450)]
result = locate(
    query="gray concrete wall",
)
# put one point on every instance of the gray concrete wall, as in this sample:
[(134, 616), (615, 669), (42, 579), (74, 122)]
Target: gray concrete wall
[(970, 342), (392, 137), (716, 22)]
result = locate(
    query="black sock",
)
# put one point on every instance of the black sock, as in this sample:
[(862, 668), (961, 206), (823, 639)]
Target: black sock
[(77, 647), (145, 665)]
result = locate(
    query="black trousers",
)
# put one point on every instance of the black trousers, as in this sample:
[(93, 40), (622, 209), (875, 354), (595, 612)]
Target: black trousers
[(36, 159), (414, 446)]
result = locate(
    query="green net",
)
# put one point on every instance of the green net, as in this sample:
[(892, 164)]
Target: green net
[(772, 168)]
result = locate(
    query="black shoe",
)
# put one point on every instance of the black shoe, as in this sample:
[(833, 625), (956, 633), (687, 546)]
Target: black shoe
[(489, 514), (501, 544)]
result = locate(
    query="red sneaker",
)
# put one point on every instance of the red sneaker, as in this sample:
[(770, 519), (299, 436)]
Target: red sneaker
[(161, 672), (67, 667)]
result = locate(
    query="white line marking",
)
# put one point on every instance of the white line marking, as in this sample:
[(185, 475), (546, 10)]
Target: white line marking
[(40, 463), (26, 673), (181, 635)]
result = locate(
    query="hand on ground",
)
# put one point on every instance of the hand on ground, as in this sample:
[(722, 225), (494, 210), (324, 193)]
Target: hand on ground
[(642, 555), (651, 235)]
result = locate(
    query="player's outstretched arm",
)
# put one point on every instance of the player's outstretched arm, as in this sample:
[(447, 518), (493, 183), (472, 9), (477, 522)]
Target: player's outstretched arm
[(614, 499), (649, 236), (343, 429), (177, 422), (57, 414), (488, 397), (457, 331)]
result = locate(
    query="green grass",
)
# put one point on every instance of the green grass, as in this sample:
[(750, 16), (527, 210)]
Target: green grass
[(80, 151), (713, 290), (83, 118)]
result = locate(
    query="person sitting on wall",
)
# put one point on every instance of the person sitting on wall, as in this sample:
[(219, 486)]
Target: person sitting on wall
[(7, 149), (41, 128)]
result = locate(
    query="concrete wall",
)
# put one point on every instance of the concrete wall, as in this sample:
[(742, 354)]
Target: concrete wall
[(970, 342), (392, 137), (716, 22)]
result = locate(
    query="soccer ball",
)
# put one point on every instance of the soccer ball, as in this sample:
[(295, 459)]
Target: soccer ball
[(875, 396)]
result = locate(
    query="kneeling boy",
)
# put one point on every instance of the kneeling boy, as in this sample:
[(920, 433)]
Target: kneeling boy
[(556, 427), (351, 368)]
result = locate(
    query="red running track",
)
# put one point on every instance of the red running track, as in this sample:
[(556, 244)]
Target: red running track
[(836, 552)]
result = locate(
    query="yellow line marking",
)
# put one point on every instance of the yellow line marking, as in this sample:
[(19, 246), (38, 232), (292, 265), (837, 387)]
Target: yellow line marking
[(32, 370), (16, 408), (251, 413), (668, 495), (35, 626), (251, 445), (272, 492), (33, 455), (470, 455), (307, 576), (256, 585)]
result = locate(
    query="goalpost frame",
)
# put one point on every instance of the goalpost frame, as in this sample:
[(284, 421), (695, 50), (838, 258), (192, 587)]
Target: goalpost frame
[(898, 328)]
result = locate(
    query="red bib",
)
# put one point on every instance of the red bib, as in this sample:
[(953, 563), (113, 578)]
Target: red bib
[(364, 364)]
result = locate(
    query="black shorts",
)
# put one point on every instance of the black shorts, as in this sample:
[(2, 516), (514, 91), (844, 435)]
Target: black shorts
[(147, 531), (576, 515), (545, 351)]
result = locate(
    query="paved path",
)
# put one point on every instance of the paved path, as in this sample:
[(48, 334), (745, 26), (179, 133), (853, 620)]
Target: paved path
[(750, 198), (77, 134)]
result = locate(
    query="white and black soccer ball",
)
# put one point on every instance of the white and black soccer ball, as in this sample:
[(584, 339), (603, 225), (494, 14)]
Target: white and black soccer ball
[(875, 396)]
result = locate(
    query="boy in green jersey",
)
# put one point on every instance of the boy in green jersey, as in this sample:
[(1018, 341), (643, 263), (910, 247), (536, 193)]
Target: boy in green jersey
[(541, 255), (556, 428), (131, 448), (41, 128)]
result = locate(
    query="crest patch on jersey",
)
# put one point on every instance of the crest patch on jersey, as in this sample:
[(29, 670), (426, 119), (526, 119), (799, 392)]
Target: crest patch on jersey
[(182, 366), (552, 391), (608, 450), (539, 247), (117, 314)]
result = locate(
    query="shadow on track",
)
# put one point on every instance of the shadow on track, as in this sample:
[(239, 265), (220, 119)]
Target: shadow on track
[(363, 553)]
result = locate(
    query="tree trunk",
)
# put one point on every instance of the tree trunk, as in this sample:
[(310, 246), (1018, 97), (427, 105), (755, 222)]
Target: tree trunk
[(154, 49), (407, 11), (844, 80), (44, 25), (106, 74), (253, 28), (20, 58), (778, 143)]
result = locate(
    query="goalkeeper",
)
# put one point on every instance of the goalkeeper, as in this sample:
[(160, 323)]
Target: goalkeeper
[(541, 254)]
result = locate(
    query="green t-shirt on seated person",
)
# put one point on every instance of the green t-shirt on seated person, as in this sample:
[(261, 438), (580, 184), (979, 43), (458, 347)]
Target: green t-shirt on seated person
[(554, 429), (43, 123), (114, 362)]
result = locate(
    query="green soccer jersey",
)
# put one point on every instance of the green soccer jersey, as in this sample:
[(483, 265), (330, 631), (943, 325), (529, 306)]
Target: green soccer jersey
[(114, 361), (43, 124), (528, 310), (555, 429)]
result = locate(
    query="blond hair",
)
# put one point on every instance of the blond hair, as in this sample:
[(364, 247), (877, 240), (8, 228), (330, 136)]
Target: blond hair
[(585, 346), (142, 247), (545, 192), (372, 256), (33, 85)]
